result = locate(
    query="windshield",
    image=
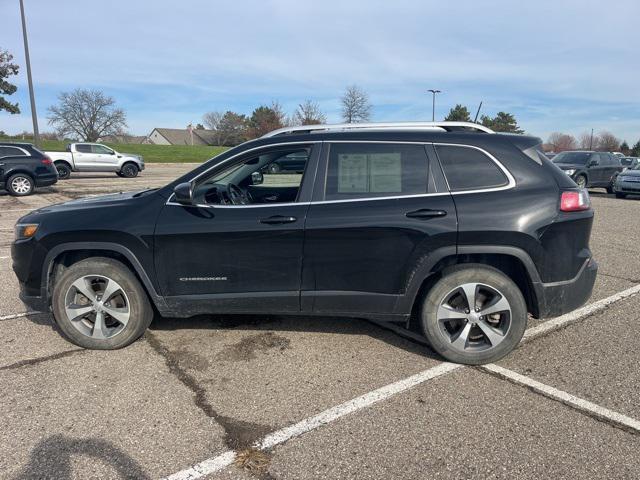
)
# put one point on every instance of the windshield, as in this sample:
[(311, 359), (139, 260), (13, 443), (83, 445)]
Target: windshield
[(576, 158)]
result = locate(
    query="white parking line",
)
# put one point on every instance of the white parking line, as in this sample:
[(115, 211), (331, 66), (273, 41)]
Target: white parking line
[(215, 464), (566, 398), (18, 315), (225, 459)]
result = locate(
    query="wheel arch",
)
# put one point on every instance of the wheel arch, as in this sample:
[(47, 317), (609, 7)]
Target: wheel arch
[(64, 255), (514, 262)]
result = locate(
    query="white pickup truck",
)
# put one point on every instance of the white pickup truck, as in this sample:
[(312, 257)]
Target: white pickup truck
[(95, 157)]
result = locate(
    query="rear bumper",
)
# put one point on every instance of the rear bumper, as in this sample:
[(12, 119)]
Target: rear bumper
[(46, 180), (558, 298)]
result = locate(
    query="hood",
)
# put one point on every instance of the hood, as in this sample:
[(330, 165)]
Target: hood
[(630, 173), (569, 166), (88, 202), (133, 155)]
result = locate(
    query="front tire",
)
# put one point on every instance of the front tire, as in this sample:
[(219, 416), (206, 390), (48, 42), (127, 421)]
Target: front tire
[(621, 195), (64, 171), (474, 315), (98, 303), (129, 170), (20, 185)]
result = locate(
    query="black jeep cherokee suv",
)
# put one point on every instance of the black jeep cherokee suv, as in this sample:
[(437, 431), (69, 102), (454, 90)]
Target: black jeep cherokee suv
[(464, 231)]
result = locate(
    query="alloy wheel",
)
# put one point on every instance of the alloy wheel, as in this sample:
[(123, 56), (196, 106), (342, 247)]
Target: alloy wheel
[(97, 306), (21, 185), (474, 317)]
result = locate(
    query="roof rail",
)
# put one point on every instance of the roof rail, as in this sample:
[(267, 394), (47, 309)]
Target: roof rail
[(442, 126)]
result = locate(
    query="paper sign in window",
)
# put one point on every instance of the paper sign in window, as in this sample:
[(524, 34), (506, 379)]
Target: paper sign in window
[(352, 173), (385, 173)]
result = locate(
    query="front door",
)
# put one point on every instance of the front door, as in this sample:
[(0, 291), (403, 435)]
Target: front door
[(232, 251), (379, 209)]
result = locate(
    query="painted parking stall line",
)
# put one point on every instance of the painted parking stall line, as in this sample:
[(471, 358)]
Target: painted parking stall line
[(17, 315), (225, 459), (553, 393)]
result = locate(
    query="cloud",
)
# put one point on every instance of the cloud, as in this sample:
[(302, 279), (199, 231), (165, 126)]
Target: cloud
[(557, 65)]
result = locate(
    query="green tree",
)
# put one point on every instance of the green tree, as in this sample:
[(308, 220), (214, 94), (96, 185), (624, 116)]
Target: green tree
[(635, 151), (7, 68), (459, 113), (265, 119), (502, 122), (624, 147)]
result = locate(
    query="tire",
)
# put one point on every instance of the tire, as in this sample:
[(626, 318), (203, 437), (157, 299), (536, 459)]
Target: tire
[(64, 170), (444, 319), (621, 195), (20, 185), (581, 181), (129, 170), (119, 174), (610, 189), (128, 302)]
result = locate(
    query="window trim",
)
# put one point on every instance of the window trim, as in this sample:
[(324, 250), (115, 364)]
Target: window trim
[(27, 154), (511, 182)]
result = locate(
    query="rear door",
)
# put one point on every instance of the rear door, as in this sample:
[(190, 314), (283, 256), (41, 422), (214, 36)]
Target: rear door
[(378, 210), (83, 157)]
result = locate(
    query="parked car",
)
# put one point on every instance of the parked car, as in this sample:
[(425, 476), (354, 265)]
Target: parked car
[(590, 169), (23, 168), (95, 157), (628, 182), (464, 232), (629, 161), (292, 163)]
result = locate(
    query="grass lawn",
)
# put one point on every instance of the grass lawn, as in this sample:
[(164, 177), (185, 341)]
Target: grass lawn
[(150, 153)]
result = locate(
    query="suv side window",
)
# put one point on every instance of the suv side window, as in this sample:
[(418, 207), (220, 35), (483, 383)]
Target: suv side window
[(83, 148), (369, 170), (11, 152), (467, 168)]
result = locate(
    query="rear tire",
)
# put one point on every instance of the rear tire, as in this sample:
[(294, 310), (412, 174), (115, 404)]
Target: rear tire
[(88, 319), (129, 170), (64, 171), (621, 195), (459, 330), (20, 185)]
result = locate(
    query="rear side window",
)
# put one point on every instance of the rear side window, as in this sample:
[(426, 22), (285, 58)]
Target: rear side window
[(11, 152), (469, 169), (83, 148), (361, 170)]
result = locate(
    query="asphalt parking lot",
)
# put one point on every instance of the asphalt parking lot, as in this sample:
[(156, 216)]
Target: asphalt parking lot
[(295, 398)]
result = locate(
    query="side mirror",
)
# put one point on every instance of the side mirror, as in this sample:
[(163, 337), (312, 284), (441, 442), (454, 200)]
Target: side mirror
[(183, 193), (257, 178)]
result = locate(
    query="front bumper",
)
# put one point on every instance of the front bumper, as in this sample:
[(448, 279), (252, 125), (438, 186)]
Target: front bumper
[(558, 298), (632, 188), (28, 257)]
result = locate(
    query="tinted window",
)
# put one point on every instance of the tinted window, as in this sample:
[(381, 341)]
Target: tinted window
[(10, 152), (83, 148), (576, 158), (469, 169), (360, 170)]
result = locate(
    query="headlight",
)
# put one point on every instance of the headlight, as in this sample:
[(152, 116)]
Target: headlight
[(570, 172), (25, 230)]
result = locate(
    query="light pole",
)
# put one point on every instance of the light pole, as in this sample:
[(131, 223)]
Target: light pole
[(34, 117), (433, 109)]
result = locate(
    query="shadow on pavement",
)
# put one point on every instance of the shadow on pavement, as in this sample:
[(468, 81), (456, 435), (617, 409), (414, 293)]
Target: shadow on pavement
[(51, 458)]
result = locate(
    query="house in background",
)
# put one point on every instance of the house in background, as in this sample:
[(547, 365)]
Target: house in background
[(129, 139), (181, 136)]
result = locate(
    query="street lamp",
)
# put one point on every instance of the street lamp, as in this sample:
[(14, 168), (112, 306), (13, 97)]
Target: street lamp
[(433, 110), (34, 118)]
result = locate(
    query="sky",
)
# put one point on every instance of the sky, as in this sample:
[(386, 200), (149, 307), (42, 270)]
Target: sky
[(559, 65)]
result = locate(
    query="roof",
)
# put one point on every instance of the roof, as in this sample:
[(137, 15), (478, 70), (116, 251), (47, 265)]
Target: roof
[(180, 136), (16, 144)]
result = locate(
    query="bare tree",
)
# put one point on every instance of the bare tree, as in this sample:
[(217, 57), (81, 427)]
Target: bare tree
[(587, 142), (212, 120), (608, 142), (87, 114), (561, 142), (308, 113), (355, 105), (7, 69)]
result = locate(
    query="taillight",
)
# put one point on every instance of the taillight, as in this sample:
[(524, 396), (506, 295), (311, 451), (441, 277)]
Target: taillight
[(47, 161), (575, 201)]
